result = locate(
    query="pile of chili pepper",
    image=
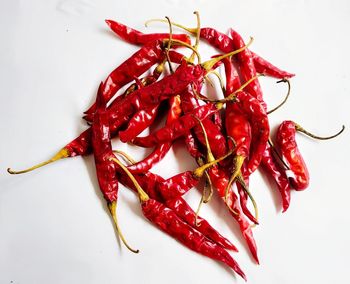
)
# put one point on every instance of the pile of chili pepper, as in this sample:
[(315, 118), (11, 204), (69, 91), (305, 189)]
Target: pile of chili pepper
[(229, 138)]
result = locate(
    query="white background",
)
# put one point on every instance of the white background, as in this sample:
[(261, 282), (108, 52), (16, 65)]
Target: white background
[(54, 226)]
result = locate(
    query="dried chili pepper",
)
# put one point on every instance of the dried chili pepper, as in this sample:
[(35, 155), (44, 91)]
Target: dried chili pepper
[(285, 139), (105, 167), (224, 43), (167, 220), (273, 168), (136, 65), (220, 181), (177, 128), (136, 37), (149, 182), (161, 150)]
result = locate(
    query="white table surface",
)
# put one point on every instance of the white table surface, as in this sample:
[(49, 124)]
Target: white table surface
[(54, 226)]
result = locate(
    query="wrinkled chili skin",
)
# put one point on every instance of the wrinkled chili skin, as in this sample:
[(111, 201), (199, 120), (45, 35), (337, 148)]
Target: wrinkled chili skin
[(177, 128), (149, 182), (102, 147), (138, 123), (178, 185), (262, 66), (220, 180), (120, 113), (285, 140), (275, 170), (136, 37), (148, 55), (225, 44), (259, 127), (162, 149), (170, 223), (217, 140)]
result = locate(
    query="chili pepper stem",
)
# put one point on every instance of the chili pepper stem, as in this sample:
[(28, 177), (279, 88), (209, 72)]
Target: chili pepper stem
[(301, 129), (210, 156), (208, 65), (238, 165), (191, 59), (63, 153), (112, 206), (193, 31), (179, 42), (169, 45), (199, 172), (125, 156), (142, 195), (285, 99), (198, 209)]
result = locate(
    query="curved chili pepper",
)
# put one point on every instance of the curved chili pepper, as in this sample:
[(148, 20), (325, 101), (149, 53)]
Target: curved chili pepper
[(161, 150), (285, 140), (136, 37), (169, 222), (273, 168), (177, 128)]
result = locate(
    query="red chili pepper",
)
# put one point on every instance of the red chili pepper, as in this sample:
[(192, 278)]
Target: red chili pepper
[(138, 123), (105, 168), (136, 37), (216, 139), (149, 182), (177, 128), (273, 168), (220, 181), (169, 222), (136, 65), (225, 44), (285, 139), (161, 150)]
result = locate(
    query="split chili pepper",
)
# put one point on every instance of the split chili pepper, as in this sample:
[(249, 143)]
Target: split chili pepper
[(285, 139), (273, 168), (161, 150), (105, 167), (136, 37), (167, 220)]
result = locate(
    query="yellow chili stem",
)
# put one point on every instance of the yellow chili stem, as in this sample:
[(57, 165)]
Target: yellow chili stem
[(63, 153)]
